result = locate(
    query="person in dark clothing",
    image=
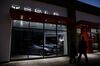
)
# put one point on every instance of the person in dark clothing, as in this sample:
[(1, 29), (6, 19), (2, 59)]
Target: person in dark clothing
[(73, 53), (82, 49)]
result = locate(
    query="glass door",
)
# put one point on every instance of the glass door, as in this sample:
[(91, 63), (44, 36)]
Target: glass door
[(27, 40), (19, 40), (37, 40)]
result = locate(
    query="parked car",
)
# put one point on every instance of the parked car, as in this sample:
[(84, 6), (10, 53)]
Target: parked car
[(39, 50), (54, 47)]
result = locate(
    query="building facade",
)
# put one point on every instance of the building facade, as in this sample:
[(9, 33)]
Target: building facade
[(34, 29)]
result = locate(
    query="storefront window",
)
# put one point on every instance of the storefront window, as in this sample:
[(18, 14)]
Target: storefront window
[(38, 40), (94, 39)]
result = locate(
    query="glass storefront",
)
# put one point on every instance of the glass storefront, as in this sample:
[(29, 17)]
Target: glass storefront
[(92, 37), (95, 39), (37, 40)]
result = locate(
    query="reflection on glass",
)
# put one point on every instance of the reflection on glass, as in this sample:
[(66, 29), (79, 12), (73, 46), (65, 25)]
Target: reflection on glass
[(36, 25), (20, 23), (50, 26), (61, 27)]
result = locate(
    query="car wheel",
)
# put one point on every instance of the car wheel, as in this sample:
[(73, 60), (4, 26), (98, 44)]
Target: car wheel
[(41, 52)]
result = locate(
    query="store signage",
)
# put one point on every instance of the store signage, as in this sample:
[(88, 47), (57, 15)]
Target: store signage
[(37, 10), (15, 7), (27, 9), (55, 13)]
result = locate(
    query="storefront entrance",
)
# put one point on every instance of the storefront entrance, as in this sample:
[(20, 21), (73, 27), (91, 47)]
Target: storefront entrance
[(38, 37)]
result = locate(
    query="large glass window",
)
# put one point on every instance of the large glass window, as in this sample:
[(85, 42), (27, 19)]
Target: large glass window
[(37, 40), (93, 36)]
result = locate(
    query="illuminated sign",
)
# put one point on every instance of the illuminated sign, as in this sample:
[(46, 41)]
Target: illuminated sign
[(37, 10), (15, 7), (27, 9), (55, 13), (46, 12)]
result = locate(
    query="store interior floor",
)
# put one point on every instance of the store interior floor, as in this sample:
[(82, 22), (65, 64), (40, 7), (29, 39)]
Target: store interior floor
[(94, 60)]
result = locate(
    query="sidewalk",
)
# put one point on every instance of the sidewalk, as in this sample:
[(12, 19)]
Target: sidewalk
[(94, 60)]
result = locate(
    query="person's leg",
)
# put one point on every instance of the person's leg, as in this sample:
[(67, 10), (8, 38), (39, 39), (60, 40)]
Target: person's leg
[(86, 58), (70, 60), (79, 58), (74, 59)]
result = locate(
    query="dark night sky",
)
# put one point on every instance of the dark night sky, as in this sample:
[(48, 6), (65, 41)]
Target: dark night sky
[(92, 2)]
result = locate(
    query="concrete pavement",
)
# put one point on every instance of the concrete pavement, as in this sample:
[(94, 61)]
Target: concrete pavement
[(94, 60)]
